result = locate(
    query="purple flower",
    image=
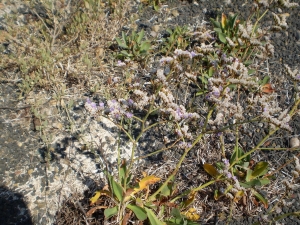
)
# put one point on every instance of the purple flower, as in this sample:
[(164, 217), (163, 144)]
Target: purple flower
[(226, 162), (120, 63), (216, 93), (235, 178), (298, 77), (229, 175), (93, 104), (130, 102), (193, 54), (101, 105), (129, 115)]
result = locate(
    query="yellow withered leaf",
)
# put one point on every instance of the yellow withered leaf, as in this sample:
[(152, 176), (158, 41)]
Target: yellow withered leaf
[(145, 182), (97, 195), (223, 20), (238, 196), (192, 214), (210, 169)]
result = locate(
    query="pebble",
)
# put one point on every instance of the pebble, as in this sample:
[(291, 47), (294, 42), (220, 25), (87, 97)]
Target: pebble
[(294, 142)]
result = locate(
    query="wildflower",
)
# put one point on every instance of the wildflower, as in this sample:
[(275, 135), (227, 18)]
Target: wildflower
[(129, 115), (120, 63)]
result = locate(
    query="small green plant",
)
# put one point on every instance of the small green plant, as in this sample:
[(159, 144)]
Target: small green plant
[(134, 197), (241, 174), (178, 39), (134, 47)]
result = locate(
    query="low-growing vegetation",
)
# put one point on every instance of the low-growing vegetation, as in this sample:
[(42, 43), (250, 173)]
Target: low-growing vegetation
[(211, 89)]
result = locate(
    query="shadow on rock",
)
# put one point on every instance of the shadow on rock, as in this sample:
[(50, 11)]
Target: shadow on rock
[(13, 209)]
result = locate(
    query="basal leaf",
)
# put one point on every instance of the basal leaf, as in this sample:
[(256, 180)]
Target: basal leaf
[(261, 198), (145, 46), (152, 218), (222, 38), (215, 23), (116, 188), (121, 44), (140, 37), (211, 170), (110, 212), (138, 211), (261, 168)]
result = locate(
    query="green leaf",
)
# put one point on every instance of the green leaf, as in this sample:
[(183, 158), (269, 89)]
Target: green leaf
[(264, 181), (251, 71), (232, 21), (124, 37), (211, 71), (152, 217), (222, 38), (121, 44), (261, 198), (211, 170), (248, 62), (215, 23), (138, 211), (110, 212), (261, 168), (140, 37), (145, 46), (249, 175), (265, 80), (116, 188), (125, 53), (218, 30), (176, 213)]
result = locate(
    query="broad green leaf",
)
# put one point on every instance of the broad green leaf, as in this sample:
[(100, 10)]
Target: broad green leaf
[(215, 23), (261, 168), (251, 71), (121, 44), (222, 38), (110, 212), (211, 170), (140, 37), (232, 21), (247, 63), (167, 190), (116, 188), (264, 181), (145, 46), (218, 30), (152, 218), (261, 198), (176, 213), (265, 80), (125, 53), (138, 211), (249, 175)]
